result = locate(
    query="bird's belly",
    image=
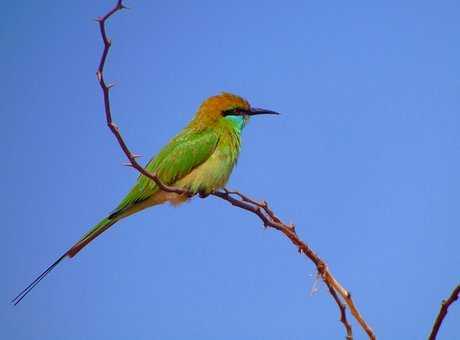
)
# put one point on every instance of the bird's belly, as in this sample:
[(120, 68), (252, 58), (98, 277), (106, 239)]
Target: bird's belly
[(211, 175)]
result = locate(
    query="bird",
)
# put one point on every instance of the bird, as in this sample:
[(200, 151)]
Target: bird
[(199, 159)]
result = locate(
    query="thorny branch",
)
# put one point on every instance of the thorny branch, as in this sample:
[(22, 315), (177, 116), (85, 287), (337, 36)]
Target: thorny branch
[(261, 209), (443, 312), (108, 112)]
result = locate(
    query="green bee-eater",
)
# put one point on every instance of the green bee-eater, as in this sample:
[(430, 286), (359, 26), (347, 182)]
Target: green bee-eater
[(199, 159)]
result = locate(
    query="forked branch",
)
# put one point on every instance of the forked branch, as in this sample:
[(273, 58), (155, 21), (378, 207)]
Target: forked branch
[(261, 209)]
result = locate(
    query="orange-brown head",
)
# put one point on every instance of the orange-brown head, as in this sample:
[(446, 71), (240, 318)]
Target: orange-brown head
[(224, 105)]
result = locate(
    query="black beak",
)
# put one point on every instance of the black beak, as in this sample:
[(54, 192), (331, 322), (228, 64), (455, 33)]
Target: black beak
[(256, 111)]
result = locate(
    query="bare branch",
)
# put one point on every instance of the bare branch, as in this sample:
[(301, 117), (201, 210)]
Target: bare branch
[(261, 209), (443, 312), (269, 219)]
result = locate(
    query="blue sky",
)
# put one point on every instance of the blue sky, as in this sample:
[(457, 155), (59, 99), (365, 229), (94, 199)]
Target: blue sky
[(364, 159)]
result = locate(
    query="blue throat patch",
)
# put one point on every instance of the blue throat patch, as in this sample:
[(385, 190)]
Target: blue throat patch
[(238, 122)]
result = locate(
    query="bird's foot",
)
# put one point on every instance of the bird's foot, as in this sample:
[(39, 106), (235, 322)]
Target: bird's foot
[(203, 194)]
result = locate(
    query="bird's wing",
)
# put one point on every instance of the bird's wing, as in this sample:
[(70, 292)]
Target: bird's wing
[(184, 153)]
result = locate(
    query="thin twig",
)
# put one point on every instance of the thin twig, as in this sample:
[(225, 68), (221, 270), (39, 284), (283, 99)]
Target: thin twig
[(443, 312), (343, 314), (261, 209)]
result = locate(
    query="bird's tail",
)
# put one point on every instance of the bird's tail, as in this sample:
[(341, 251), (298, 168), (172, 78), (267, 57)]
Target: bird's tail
[(98, 229)]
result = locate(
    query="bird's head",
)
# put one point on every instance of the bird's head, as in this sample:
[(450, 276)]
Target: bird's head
[(228, 107)]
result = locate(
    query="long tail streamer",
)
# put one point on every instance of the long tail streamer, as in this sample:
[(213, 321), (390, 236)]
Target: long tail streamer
[(35, 282)]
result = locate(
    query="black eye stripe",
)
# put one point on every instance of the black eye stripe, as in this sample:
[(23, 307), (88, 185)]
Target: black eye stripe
[(234, 111)]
